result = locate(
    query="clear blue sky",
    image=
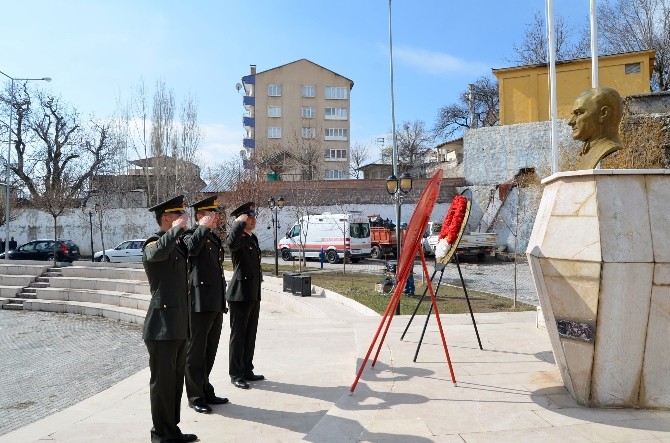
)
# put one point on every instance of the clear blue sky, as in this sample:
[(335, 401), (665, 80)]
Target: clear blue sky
[(96, 51)]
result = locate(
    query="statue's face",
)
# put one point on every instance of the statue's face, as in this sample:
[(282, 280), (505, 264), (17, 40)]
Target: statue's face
[(584, 121)]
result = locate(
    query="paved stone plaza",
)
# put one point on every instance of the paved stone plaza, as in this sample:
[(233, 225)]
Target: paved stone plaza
[(51, 361), (309, 348)]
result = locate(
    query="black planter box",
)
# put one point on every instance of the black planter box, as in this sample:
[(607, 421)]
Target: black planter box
[(302, 285)]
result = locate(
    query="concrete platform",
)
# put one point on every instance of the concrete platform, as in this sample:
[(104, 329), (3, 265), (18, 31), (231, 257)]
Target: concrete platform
[(309, 348)]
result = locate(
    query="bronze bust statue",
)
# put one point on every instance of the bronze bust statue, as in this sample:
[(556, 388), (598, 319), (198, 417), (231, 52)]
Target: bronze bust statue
[(596, 115)]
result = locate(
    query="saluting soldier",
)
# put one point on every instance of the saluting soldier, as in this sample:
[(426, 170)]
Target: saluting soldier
[(244, 295), (166, 326), (208, 304)]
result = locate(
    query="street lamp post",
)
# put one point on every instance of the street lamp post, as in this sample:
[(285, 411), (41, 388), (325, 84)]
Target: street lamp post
[(90, 225), (9, 142), (398, 188), (98, 210), (276, 206)]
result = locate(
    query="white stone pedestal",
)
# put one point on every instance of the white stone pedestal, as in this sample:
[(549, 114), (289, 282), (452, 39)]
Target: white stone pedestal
[(600, 257)]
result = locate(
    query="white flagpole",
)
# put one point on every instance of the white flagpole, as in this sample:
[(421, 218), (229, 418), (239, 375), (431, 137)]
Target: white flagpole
[(552, 86), (594, 45)]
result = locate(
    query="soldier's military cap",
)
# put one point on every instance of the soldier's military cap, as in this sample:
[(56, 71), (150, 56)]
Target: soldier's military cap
[(207, 204), (174, 205), (247, 208)]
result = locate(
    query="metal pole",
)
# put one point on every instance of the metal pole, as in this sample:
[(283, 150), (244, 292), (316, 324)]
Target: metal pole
[(275, 223), (9, 155), (552, 87), (594, 45), (90, 225), (471, 104), (396, 197)]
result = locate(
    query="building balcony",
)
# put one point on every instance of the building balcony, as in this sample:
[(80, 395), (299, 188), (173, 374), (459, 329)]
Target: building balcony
[(248, 122), (249, 100), (249, 143)]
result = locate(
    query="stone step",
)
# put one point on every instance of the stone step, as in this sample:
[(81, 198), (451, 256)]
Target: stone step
[(85, 308), (105, 297), (111, 273), (16, 300), (26, 295), (102, 284), (42, 279), (13, 306), (38, 285), (9, 291)]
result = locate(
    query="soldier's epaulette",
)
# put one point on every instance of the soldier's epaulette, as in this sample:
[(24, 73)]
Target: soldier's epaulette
[(151, 240)]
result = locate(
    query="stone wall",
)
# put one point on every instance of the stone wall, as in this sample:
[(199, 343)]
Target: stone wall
[(126, 224), (495, 155)]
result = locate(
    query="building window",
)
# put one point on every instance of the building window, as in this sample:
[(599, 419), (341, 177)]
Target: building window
[(633, 68), (336, 154), (274, 111), (274, 132), (308, 112), (336, 93), (274, 90), (308, 91), (336, 134), (336, 113), (308, 132), (335, 174)]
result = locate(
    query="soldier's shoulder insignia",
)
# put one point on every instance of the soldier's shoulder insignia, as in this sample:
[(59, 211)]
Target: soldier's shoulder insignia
[(150, 243)]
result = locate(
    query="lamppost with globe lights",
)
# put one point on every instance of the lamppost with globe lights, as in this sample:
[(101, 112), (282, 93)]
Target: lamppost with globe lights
[(398, 188), (275, 207), (90, 225), (9, 143)]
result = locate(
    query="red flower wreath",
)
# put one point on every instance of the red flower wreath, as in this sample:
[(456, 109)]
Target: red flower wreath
[(454, 219)]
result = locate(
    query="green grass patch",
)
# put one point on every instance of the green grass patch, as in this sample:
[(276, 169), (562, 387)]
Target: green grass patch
[(360, 286), (450, 299)]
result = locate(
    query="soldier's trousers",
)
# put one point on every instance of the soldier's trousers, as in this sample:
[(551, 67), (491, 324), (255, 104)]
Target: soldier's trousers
[(200, 355), (243, 327), (167, 359)]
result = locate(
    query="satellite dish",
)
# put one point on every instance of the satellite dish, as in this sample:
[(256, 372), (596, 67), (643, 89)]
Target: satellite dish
[(243, 154), (238, 86)]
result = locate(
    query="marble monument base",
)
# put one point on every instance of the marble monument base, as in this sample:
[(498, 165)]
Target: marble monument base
[(599, 254)]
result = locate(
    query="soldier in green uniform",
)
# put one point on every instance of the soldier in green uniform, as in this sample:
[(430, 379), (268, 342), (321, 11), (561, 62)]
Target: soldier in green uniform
[(208, 304), (166, 326), (244, 296)]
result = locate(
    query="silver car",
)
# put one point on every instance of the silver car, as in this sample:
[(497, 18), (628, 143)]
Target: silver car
[(129, 251)]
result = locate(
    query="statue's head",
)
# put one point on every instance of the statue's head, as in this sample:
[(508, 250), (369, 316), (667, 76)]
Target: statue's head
[(596, 114)]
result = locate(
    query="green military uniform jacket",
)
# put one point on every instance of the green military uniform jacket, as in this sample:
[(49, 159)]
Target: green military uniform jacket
[(165, 260), (245, 285), (206, 279)]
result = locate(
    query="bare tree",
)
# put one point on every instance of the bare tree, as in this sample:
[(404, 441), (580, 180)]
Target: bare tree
[(534, 47), (189, 137), (519, 209), (413, 142), (646, 141), (455, 117), (56, 153), (358, 155), (637, 25)]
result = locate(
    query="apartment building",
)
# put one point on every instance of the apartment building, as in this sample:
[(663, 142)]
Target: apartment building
[(297, 122)]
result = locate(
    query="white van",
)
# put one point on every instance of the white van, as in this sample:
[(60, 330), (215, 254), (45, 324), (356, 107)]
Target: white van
[(332, 233)]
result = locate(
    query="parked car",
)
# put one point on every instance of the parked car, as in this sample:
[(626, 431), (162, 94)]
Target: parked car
[(129, 251), (66, 250)]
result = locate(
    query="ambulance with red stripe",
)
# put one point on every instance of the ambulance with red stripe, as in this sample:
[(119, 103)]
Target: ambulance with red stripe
[(336, 235)]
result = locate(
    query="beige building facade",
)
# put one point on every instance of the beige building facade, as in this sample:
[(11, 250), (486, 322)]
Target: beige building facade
[(297, 122)]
